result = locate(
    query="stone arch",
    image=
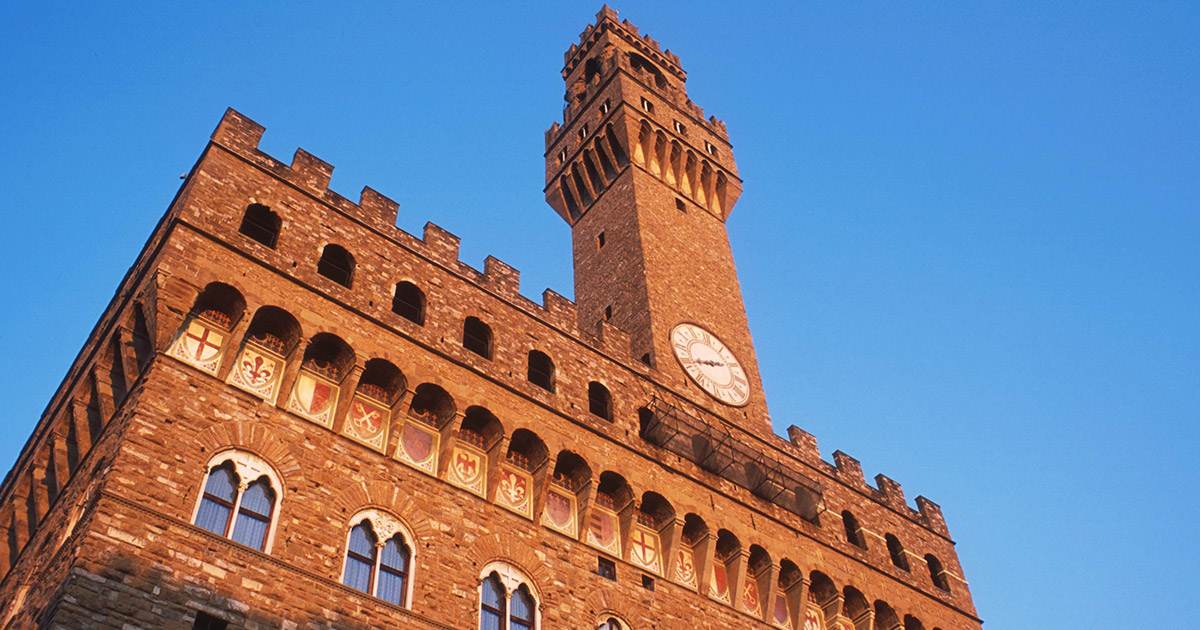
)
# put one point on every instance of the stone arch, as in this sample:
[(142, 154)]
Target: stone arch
[(511, 550), (254, 438), (355, 498)]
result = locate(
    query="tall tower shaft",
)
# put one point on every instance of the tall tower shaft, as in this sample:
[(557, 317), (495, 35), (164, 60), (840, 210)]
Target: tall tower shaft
[(646, 183)]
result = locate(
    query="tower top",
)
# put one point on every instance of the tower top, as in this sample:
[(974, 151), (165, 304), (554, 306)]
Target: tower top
[(606, 20)]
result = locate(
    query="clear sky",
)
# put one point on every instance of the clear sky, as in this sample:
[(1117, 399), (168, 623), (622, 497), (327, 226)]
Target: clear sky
[(969, 240)]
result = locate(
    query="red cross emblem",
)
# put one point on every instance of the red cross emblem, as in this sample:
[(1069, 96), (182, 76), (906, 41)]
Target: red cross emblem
[(644, 547), (198, 342)]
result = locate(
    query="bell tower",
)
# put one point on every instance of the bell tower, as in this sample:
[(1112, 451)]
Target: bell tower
[(646, 183)]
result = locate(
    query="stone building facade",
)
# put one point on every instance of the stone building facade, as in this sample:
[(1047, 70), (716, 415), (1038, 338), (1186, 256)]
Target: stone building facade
[(295, 415)]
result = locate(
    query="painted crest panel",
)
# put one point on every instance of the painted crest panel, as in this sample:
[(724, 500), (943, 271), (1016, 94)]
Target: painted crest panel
[(257, 371), (780, 616), (718, 586), (812, 618), (314, 398), (515, 490), (419, 447), (604, 531), (367, 422), (468, 469), (685, 567), (645, 549), (750, 600), (560, 513), (200, 345)]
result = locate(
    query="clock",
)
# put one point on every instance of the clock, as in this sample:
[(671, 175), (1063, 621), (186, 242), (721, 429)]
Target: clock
[(710, 364)]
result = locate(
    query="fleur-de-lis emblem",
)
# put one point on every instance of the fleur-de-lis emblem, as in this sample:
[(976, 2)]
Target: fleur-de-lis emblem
[(256, 372)]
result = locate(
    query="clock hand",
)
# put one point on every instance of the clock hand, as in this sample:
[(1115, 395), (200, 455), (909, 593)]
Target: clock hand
[(711, 363)]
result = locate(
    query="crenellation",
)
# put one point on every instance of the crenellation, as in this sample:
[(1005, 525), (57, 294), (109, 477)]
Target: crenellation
[(311, 171), (501, 278), (891, 493), (805, 443), (237, 132), (931, 514), (850, 470), (377, 209), (614, 341), (441, 245)]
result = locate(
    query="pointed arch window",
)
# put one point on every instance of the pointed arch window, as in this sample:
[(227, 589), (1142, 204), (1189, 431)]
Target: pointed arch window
[(378, 568), (507, 601), (242, 512)]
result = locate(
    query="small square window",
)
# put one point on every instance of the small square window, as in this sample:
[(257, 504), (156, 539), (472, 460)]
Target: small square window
[(604, 107), (648, 106), (606, 568), (680, 205), (680, 128), (562, 156), (607, 313), (711, 148), (647, 582), (583, 132), (205, 621), (600, 240)]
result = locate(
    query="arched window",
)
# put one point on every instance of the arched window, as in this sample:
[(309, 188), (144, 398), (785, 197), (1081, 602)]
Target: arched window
[(896, 551), (477, 337), (854, 534), (937, 573), (541, 370), (337, 264), (491, 608), (507, 600), (233, 507), (521, 616), (260, 224), (600, 401), (409, 303), (378, 569)]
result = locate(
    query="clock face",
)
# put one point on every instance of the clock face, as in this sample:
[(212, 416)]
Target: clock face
[(710, 364)]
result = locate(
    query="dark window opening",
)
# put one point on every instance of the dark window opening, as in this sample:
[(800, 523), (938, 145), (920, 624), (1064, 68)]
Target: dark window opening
[(647, 582), (937, 573), (477, 337), (645, 422), (854, 534), (143, 347), (606, 568), (205, 621), (680, 205), (409, 303), (897, 553), (599, 401), (607, 313), (541, 370), (337, 264), (600, 240), (261, 225), (604, 107), (116, 373), (648, 106), (648, 359)]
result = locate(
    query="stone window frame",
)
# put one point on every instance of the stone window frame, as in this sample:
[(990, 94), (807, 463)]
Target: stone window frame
[(385, 526), (249, 468), (511, 579)]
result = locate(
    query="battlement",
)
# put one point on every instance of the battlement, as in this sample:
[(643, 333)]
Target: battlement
[(241, 135), (607, 20), (643, 58)]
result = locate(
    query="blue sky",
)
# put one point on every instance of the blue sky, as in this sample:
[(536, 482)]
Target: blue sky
[(969, 240)]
